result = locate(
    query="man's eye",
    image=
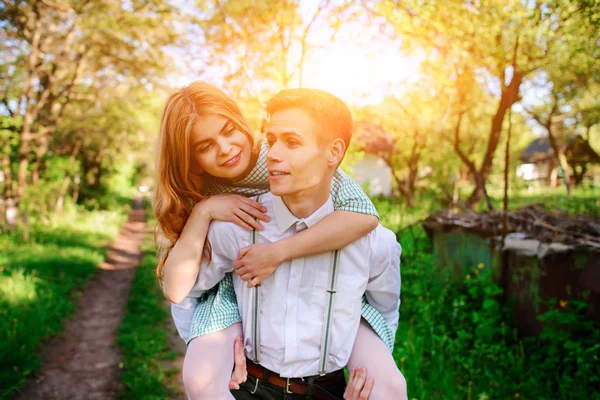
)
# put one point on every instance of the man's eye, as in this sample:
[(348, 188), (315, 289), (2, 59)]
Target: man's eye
[(270, 143), (293, 143)]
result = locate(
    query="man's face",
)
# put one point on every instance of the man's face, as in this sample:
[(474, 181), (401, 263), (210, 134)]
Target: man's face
[(297, 161)]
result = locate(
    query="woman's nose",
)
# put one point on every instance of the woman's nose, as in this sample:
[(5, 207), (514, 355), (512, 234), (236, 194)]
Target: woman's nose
[(225, 146)]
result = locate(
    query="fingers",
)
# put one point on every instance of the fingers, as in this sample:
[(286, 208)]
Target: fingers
[(241, 223), (254, 282), (350, 385), (241, 214), (359, 381), (242, 252), (256, 213), (239, 265), (260, 210), (244, 271), (357, 389), (246, 277), (239, 373), (366, 392)]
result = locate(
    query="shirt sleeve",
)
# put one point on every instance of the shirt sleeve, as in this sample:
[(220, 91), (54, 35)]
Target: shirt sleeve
[(383, 288), (224, 251), (347, 195)]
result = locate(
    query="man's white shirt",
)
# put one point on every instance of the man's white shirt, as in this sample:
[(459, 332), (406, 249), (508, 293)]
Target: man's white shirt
[(293, 297)]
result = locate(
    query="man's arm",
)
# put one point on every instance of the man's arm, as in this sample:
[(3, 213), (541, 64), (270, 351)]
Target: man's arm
[(383, 288)]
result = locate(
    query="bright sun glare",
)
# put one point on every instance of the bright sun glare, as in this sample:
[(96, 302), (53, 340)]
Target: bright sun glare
[(361, 73)]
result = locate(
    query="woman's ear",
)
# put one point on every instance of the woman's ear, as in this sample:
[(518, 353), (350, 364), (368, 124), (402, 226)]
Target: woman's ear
[(337, 151)]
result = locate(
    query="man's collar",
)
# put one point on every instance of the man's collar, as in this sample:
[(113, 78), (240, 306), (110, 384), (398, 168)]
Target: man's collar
[(285, 219)]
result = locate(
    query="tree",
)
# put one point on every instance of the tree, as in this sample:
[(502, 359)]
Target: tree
[(504, 44), (263, 45), (64, 50)]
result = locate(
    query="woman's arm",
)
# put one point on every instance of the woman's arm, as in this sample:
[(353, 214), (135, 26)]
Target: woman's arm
[(337, 230), (355, 216), (183, 263)]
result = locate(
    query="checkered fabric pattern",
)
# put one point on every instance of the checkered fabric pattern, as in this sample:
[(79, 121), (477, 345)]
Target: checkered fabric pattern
[(218, 308), (347, 195)]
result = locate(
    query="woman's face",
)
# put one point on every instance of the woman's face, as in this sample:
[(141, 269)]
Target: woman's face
[(218, 148)]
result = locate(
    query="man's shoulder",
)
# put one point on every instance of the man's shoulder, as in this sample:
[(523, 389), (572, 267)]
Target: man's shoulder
[(382, 239)]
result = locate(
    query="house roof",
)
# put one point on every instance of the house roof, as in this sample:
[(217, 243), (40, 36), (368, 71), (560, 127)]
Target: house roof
[(372, 138), (578, 151)]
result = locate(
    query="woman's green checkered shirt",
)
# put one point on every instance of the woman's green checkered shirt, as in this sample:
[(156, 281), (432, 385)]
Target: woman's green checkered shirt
[(217, 309)]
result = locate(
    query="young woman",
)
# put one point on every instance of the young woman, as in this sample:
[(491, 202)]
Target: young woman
[(208, 162)]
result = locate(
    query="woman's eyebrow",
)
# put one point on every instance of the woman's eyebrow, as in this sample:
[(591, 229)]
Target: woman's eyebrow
[(225, 126)]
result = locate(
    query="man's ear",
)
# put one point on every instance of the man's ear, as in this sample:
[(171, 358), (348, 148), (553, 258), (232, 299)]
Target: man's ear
[(336, 153)]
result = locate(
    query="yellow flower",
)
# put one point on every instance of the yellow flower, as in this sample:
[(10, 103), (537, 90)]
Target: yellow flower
[(563, 303), (480, 266), (517, 395), (468, 276), (402, 359)]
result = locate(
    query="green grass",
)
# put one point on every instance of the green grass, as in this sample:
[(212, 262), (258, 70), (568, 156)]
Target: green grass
[(40, 281), (143, 334), (583, 200)]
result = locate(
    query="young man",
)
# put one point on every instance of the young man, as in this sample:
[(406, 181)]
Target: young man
[(300, 324)]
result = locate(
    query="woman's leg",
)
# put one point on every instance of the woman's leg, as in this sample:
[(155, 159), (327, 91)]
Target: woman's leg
[(370, 352), (208, 364)]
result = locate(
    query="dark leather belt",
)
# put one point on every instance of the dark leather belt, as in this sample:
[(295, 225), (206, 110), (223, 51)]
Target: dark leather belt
[(297, 385)]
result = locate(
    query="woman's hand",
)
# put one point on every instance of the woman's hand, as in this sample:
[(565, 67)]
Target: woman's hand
[(232, 208), (256, 262), (358, 386)]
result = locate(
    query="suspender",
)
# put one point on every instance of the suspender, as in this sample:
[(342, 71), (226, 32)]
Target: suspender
[(329, 302), (255, 307), (328, 314)]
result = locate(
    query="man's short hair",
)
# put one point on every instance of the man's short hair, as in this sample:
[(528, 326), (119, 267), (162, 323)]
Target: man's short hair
[(331, 114)]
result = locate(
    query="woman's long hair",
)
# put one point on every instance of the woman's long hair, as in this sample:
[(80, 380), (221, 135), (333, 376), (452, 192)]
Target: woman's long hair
[(178, 189)]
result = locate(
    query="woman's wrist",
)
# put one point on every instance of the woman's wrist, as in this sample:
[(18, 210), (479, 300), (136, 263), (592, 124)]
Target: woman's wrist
[(280, 251)]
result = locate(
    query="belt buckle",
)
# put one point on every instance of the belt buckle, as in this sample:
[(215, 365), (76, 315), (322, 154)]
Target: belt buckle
[(287, 386)]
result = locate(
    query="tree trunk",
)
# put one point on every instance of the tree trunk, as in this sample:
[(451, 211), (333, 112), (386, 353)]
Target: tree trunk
[(76, 181), (61, 195), (67, 179), (507, 99), (560, 155), (24, 150), (7, 175)]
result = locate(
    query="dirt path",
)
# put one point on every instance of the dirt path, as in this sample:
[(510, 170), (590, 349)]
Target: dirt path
[(83, 362)]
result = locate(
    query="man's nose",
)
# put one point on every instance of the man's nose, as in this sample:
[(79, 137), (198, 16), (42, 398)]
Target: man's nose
[(274, 154)]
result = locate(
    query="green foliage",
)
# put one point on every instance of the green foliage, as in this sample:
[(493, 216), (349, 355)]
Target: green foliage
[(142, 335), (40, 282), (457, 339)]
